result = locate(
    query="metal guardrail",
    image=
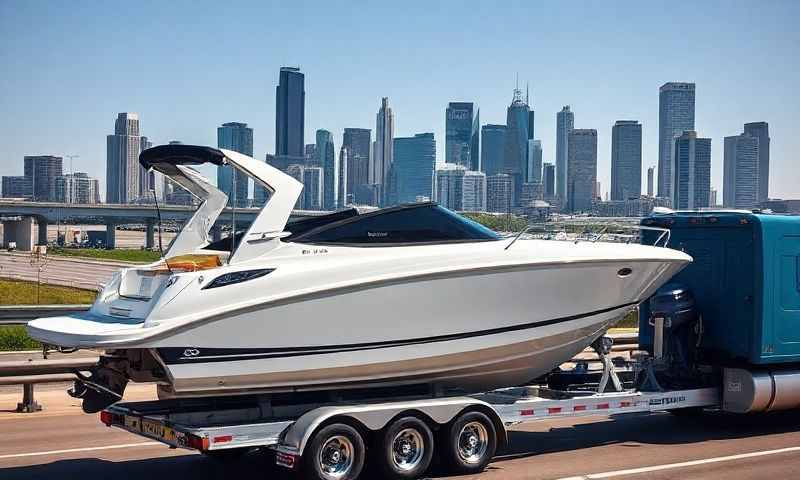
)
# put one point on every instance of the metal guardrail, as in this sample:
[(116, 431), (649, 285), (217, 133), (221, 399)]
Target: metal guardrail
[(21, 314)]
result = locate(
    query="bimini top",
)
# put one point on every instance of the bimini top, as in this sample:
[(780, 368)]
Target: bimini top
[(410, 224), (179, 154)]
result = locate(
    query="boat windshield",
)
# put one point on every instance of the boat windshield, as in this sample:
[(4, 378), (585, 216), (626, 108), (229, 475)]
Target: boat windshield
[(412, 224)]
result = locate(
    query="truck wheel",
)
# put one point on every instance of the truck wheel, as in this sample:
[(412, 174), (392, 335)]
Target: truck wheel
[(406, 448), (336, 452), (469, 443)]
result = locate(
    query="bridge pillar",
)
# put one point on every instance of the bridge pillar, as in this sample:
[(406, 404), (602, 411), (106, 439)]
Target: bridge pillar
[(42, 237), (19, 232), (216, 233), (150, 238), (111, 234)]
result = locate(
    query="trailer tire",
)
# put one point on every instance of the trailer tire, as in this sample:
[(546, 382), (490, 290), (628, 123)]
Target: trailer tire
[(335, 452), (405, 448), (468, 443)]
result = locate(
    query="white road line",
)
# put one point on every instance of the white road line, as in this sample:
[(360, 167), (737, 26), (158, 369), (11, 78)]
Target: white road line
[(73, 450), (668, 466)]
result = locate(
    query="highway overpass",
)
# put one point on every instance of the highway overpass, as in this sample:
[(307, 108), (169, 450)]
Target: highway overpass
[(112, 215)]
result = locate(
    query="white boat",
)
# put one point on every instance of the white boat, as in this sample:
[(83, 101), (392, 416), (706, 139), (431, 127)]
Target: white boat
[(403, 297)]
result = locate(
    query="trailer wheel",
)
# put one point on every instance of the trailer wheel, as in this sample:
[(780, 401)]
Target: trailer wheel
[(469, 443), (405, 449), (336, 452)]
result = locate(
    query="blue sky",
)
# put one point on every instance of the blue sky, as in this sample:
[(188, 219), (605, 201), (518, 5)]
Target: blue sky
[(67, 68)]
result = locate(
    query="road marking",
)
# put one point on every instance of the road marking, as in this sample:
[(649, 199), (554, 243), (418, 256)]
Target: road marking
[(73, 450), (668, 466)]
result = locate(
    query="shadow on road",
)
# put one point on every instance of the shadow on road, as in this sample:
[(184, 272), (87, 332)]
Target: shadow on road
[(625, 431)]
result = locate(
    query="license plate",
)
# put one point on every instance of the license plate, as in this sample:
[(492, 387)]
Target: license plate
[(152, 428)]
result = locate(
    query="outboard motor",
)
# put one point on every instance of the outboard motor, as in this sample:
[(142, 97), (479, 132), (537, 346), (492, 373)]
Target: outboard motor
[(677, 329)]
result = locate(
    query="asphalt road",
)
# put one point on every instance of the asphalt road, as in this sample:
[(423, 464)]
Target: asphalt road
[(716, 446), (58, 271)]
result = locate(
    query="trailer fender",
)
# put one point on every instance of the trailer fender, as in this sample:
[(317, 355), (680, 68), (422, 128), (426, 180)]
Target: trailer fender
[(375, 416)]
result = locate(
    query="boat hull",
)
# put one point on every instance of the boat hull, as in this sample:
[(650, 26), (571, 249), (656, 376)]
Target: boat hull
[(473, 331)]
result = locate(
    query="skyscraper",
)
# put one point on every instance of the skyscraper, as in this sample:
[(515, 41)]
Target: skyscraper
[(534, 161), (76, 188), (515, 160), (692, 173), (342, 193), (460, 189), (650, 171), (499, 193), (626, 160), (460, 134), (41, 172), (493, 146), (358, 142), (565, 122), (413, 168), (740, 185), (312, 188), (581, 169), (239, 138), (123, 172), (475, 147), (760, 130), (290, 101), (549, 180), (383, 147), (326, 158), (15, 186), (675, 116)]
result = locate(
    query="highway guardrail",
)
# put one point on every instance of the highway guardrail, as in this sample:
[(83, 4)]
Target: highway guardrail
[(22, 314)]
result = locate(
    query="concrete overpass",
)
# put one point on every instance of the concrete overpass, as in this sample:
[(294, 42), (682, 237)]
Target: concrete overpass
[(111, 215)]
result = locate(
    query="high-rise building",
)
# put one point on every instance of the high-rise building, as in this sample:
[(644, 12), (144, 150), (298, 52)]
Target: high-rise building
[(493, 146), (40, 174), (499, 193), (326, 158), (534, 161), (381, 162), (77, 188), (549, 180), (675, 116), (626, 160), (740, 185), (581, 170), (311, 155), (650, 171), (515, 160), (692, 173), (16, 187), (342, 193), (290, 101), (239, 138), (460, 189), (475, 147), (712, 198), (123, 173), (414, 162), (312, 188), (530, 192), (461, 135), (358, 142), (760, 130), (565, 123)]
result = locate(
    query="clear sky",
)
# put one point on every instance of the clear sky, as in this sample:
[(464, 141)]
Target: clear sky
[(67, 68)]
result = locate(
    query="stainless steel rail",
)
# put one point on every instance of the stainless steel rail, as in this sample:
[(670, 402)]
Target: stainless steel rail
[(21, 314)]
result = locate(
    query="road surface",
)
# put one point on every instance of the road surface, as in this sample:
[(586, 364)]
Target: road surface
[(62, 443), (57, 270)]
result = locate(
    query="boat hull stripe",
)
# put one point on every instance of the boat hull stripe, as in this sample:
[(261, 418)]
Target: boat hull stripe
[(196, 354)]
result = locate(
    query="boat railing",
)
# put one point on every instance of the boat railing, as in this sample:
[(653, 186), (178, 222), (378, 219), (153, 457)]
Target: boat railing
[(608, 232)]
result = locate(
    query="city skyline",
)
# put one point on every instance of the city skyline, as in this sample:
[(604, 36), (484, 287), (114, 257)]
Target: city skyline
[(169, 106)]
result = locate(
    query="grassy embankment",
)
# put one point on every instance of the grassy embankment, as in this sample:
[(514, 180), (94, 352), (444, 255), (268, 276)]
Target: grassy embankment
[(125, 255), (17, 292)]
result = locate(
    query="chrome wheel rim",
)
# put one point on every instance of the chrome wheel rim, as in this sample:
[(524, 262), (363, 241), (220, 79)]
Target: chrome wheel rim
[(408, 447), (335, 458), (473, 440)]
